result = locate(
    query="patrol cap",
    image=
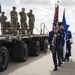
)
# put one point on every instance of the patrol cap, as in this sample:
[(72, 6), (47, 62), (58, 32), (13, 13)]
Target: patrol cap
[(31, 10), (23, 8), (14, 7), (60, 23)]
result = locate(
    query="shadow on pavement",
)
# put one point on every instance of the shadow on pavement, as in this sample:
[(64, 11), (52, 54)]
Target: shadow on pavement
[(68, 68), (13, 66)]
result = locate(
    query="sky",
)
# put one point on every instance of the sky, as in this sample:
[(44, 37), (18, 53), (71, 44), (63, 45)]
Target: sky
[(43, 11)]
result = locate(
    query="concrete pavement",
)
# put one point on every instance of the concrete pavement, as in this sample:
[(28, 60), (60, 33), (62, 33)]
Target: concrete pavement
[(41, 65)]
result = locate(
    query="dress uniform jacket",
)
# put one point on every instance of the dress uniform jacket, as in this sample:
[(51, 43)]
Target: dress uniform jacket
[(60, 39), (69, 43), (50, 38)]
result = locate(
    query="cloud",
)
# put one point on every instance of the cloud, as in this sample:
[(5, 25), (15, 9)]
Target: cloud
[(43, 10), (17, 2), (67, 3), (34, 2)]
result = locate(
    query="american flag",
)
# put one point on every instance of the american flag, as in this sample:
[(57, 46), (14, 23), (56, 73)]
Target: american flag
[(56, 15), (55, 20)]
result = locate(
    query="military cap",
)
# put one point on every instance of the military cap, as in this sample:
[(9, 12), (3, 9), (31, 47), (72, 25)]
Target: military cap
[(60, 23), (54, 24), (63, 29), (3, 12)]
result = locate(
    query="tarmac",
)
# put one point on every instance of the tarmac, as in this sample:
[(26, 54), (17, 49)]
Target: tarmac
[(42, 65)]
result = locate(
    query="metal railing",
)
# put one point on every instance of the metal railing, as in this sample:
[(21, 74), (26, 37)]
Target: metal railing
[(43, 28)]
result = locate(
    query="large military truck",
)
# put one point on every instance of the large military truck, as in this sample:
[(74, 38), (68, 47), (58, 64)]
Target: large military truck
[(19, 47)]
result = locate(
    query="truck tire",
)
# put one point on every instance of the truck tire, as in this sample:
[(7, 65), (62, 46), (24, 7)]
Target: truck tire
[(44, 45), (35, 48), (14, 52), (30, 47), (22, 52), (3, 58)]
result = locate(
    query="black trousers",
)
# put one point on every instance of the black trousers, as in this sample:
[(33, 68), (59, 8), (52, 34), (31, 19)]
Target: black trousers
[(54, 59), (68, 53), (59, 54)]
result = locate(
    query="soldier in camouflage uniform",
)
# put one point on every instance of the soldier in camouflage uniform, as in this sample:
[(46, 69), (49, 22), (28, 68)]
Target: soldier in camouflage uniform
[(3, 18), (14, 20), (31, 21), (23, 21)]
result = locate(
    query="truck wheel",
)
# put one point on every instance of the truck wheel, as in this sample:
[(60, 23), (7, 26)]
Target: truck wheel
[(14, 52), (30, 48), (35, 48), (3, 58), (22, 52), (44, 45)]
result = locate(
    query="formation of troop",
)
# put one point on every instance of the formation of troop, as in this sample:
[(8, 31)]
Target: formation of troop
[(57, 43), (23, 21)]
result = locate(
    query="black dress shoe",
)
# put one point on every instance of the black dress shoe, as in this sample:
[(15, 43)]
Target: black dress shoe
[(67, 59), (55, 69), (59, 65), (64, 59)]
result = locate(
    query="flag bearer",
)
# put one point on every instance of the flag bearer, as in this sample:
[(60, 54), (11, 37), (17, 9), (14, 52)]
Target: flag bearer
[(68, 43), (60, 43), (52, 42)]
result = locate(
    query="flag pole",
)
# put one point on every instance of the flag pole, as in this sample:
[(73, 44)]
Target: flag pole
[(0, 8), (55, 23), (58, 9)]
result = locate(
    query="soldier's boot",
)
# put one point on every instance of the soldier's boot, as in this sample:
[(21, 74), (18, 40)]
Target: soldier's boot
[(3, 32), (28, 32), (14, 33), (31, 32), (23, 34)]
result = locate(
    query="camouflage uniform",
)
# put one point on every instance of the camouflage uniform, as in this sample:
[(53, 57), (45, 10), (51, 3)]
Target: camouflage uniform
[(3, 18), (14, 21), (31, 21), (23, 21)]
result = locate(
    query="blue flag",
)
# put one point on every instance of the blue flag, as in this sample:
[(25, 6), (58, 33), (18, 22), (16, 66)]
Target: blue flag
[(0, 9), (64, 25)]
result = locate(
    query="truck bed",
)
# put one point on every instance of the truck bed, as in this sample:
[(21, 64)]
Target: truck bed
[(11, 37)]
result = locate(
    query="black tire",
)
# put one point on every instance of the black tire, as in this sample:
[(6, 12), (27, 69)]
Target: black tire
[(22, 52), (3, 58), (44, 45), (14, 52), (35, 48), (30, 48)]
